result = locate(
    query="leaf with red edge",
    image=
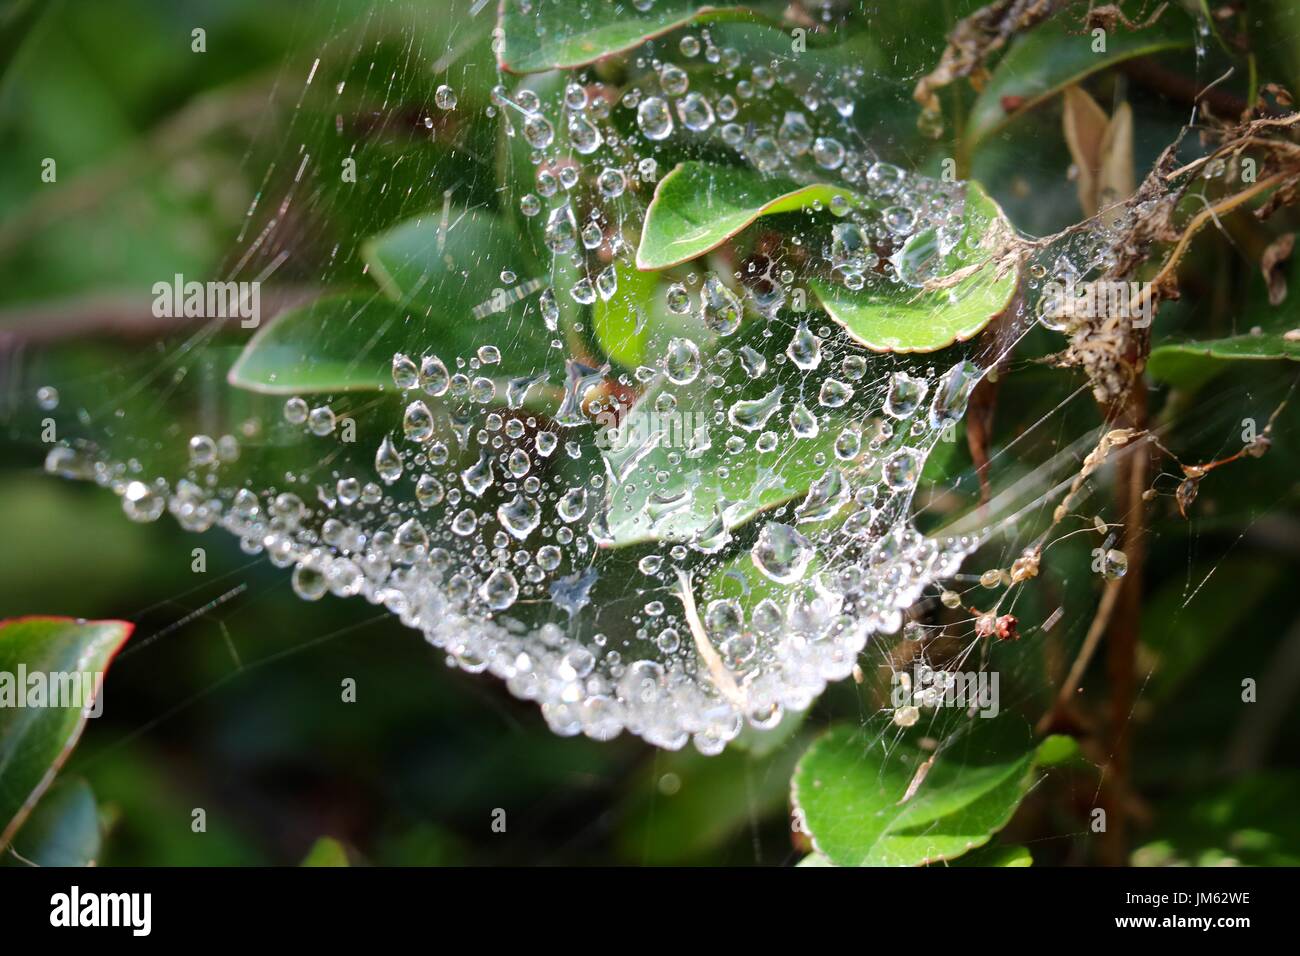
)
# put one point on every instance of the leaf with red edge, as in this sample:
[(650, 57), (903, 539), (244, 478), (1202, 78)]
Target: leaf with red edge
[(36, 740)]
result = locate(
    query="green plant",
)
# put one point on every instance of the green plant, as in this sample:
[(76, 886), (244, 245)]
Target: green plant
[(643, 392)]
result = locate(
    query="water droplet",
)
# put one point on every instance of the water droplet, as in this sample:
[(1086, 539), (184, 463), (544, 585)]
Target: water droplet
[(417, 422), (805, 348), (720, 308), (561, 234), (795, 135), (500, 590), (901, 469), (834, 393), (520, 516), (682, 361), (434, 378), (388, 463), (654, 118), (695, 112), (583, 135), (905, 395), (803, 422), (752, 414), (1114, 565), (538, 131), (781, 553)]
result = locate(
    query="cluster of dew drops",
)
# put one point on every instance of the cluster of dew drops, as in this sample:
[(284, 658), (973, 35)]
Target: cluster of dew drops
[(488, 516)]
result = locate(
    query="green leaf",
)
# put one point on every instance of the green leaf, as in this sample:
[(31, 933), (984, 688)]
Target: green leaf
[(547, 34), (1059, 53), (901, 318), (35, 740), (635, 323), (336, 344), (447, 260), (620, 330), (699, 206), (1191, 364), (990, 855), (326, 851), (63, 829), (442, 294), (747, 484), (851, 786)]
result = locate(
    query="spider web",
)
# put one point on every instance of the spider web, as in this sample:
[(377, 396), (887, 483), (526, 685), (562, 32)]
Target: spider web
[(450, 440)]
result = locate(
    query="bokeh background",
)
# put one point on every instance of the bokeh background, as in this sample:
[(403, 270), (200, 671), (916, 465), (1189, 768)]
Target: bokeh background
[(228, 697)]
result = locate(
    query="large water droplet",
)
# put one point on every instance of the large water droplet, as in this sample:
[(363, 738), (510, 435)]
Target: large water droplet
[(781, 553), (654, 118), (682, 361)]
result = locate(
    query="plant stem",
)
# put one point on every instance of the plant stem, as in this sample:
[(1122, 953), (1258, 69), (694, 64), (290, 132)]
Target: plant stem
[(1125, 626)]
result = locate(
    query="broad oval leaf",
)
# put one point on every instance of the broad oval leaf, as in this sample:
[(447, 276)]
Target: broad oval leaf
[(852, 788), (550, 34), (901, 318), (35, 740), (443, 261), (1059, 53), (432, 272), (699, 206), (1189, 364), (345, 343), (335, 344)]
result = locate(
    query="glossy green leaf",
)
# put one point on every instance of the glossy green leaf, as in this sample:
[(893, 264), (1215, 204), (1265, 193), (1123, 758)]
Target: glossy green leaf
[(448, 261), (326, 851), (546, 34), (63, 829), (711, 482), (635, 324), (901, 318), (699, 206), (335, 344), (442, 293), (35, 740), (1189, 364), (852, 787), (620, 323), (345, 343), (1058, 53)]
